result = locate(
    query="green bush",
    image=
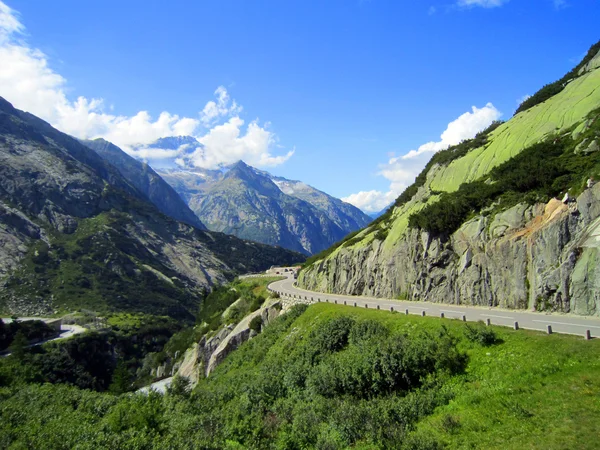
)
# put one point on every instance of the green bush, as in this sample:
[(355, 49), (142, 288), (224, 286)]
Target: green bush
[(256, 324), (332, 336), (538, 173), (481, 334)]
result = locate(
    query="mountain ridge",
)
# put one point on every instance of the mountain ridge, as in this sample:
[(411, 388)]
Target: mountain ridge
[(253, 204), (74, 233)]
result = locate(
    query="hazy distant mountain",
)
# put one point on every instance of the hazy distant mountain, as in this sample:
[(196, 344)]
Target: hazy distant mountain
[(375, 215), (254, 204)]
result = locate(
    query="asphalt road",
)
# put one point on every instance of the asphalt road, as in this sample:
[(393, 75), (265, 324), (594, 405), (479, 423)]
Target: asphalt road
[(558, 323), (66, 331)]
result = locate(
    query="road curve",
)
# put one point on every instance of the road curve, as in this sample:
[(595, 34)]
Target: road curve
[(554, 323)]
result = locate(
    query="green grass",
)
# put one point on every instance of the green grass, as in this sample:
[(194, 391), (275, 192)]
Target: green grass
[(530, 391), (526, 390)]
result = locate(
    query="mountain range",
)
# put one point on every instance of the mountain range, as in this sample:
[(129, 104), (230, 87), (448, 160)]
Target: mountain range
[(253, 204), (78, 232)]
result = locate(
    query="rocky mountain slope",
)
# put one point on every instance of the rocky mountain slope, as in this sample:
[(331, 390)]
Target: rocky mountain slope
[(487, 222), (253, 204), (147, 181), (74, 233)]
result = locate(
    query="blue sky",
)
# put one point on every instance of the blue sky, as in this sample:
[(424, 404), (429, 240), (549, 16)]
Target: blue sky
[(330, 92)]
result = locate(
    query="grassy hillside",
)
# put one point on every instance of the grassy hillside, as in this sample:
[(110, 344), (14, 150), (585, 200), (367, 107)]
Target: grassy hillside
[(338, 377)]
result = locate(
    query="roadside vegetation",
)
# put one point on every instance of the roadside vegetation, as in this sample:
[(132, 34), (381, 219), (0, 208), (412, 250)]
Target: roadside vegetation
[(232, 302), (333, 377)]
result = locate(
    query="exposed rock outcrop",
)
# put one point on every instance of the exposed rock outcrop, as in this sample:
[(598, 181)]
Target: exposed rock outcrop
[(541, 257), (202, 358)]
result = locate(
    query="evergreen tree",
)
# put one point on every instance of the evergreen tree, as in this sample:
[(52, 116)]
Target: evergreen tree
[(18, 347), (121, 379)]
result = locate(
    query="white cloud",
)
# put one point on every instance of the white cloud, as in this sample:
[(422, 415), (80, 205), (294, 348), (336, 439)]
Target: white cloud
[(225, 144), (9, 23), (371, 201), (401, 171), (465, 127), (213, 111), (28, 81), (482, 3)]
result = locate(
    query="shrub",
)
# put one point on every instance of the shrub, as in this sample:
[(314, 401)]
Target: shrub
[(332, 335), (256, 324), (365, 330), (481, 334)]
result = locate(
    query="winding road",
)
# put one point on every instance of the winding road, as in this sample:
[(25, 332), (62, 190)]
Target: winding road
[(66, 331), (587, 327)]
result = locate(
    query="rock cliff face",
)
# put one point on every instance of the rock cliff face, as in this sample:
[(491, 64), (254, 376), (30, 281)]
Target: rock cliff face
[(255, 205), (74, 233), (541, 256), (203, 357)]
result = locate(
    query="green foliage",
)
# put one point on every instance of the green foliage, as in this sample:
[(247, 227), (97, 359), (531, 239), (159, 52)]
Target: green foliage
[(89, 360), (552, 89), (180, 387), (214, 304), (481, 334), (389, 386), (248, 295), (536, 174), (332, 335), (18, 347), (121, 380), (31, 331), (256, 324)]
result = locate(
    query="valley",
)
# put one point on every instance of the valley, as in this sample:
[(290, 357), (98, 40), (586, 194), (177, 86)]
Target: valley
[(394, 243)]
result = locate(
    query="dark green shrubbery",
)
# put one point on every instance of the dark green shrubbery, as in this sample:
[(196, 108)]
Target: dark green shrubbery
[(337, 383), (94, 360), (481, 334), (256, 324), (31, 330), (552, 89), (538, 173)]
